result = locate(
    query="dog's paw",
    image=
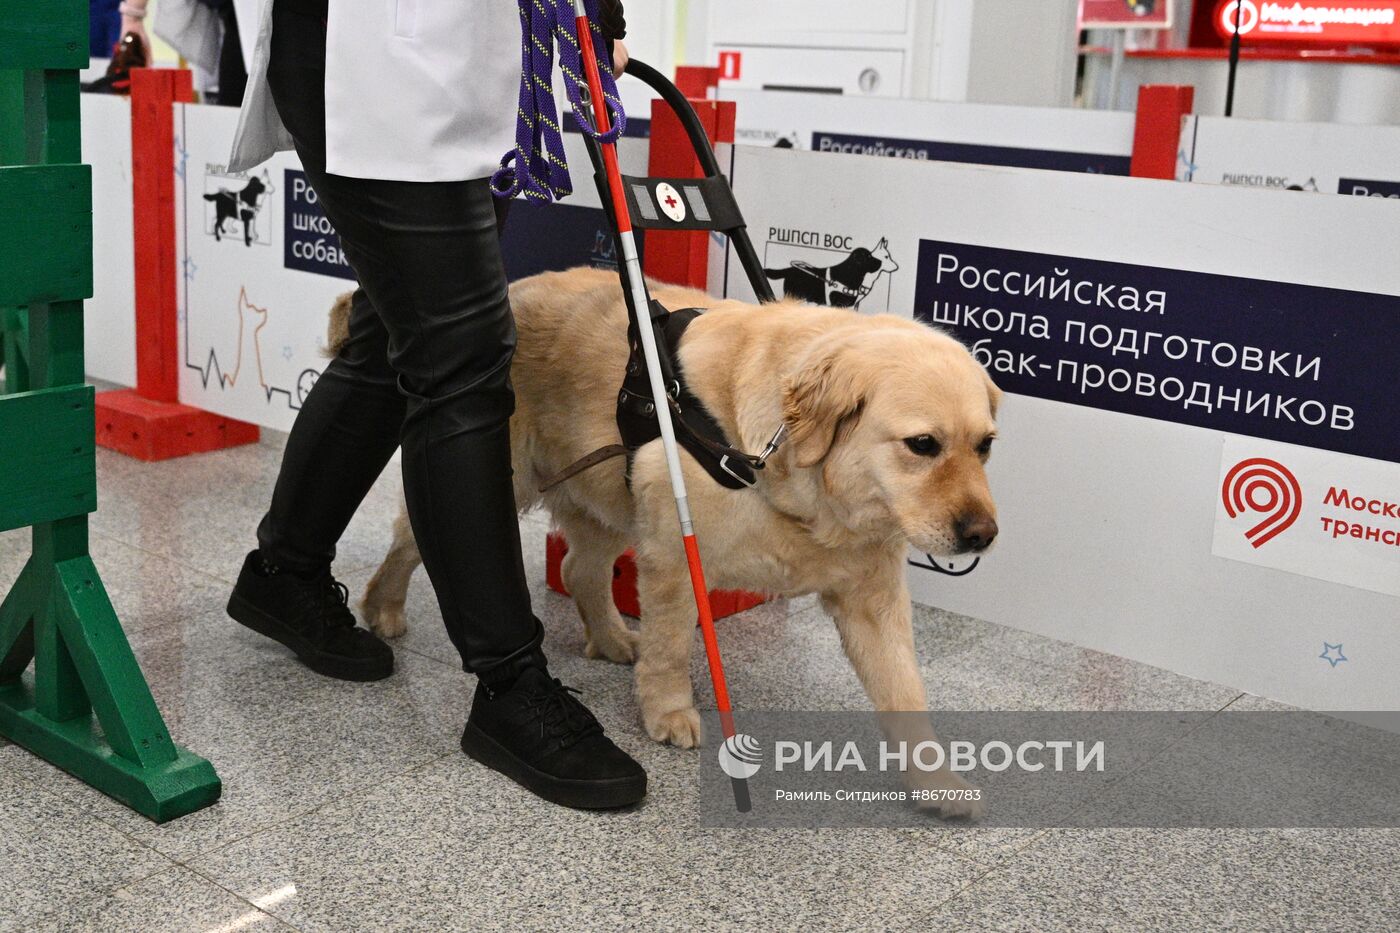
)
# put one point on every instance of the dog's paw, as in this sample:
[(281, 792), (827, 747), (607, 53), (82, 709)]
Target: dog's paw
[(618, 646), (385, 622), (679, 727)]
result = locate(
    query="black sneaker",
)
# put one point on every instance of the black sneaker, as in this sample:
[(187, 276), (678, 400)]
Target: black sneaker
[(535, 733), (310, 616)]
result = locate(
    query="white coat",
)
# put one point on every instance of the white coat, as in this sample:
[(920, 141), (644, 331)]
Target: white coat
[(416, 90), (195, 30)]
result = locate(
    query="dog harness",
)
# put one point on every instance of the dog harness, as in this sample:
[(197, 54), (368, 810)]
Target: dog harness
[(653, 203), (832, 286), (696, 429)]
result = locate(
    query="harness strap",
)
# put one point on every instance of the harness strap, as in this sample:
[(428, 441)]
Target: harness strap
[(598, 456), (696, 429), (714, 447)]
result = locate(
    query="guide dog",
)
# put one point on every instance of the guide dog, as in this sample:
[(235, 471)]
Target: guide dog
[(889, 423)]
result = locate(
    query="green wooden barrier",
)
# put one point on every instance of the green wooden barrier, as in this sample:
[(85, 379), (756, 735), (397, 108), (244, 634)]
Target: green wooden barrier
[(14, 326), (85, 705)]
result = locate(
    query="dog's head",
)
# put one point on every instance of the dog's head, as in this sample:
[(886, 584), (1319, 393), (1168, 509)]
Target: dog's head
[(900, 420), (881, 254)]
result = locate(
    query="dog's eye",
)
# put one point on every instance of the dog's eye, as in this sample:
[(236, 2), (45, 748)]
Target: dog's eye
[(985, 447), (924, 445)]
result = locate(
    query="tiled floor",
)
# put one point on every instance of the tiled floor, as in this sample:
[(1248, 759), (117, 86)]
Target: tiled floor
[(349, 807)]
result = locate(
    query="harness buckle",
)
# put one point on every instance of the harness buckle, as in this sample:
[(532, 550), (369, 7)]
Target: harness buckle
[(772, 446), (724, 465)]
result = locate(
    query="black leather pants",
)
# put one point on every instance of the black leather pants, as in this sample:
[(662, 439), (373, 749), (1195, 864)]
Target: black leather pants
[(427, 367)]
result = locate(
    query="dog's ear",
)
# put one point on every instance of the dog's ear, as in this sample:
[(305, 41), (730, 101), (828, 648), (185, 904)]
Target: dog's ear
[(820, 401), (993, 393)]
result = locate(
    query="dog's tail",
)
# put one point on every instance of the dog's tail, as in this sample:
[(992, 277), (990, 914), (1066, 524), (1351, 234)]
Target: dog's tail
[(338, 327), (775, 273), (212, 197)]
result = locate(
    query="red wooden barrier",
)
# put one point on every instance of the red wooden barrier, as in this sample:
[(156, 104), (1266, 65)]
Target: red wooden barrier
[(148, 422), (1157, 135), (722, 602), (696, 81), (682, 257)]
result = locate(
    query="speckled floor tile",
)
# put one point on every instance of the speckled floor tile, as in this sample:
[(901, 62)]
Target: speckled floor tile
[(146, 589), (1189, 880), (53, 853), (1089, 666), (202, 511), (350, 806), (282, 738), (451, 847), (983, 677), (14, 551), (174, 901)]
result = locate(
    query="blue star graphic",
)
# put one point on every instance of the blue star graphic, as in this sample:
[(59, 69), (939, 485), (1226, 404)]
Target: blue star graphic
[(287, 352), (190, 269), (1328, 656)]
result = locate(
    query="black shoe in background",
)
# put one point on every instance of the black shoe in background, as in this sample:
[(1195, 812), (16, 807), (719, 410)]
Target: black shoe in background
[(312, 617), (128, 53), (537, 734)]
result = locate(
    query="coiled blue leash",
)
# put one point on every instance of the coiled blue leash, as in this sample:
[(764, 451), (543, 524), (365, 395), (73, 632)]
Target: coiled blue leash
[(537, 166)]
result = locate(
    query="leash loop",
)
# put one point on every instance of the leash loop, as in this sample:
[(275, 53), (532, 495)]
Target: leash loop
[(537, 166)]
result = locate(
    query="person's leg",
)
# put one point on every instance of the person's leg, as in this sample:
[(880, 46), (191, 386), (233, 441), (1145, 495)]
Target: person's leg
[(233, 75), (351, 419), (427, 256), (345, 433)]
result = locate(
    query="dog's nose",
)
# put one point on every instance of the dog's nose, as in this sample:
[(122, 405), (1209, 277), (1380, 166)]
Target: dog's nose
[(976, 532)]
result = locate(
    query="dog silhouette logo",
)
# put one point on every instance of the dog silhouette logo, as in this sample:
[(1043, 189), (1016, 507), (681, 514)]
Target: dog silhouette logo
[(740, 756), (844, 285), (238, 202), (1262, 487)]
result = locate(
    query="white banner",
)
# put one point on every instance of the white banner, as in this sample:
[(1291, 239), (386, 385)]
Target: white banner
[(1330, 158), (109, 317), (260, 266), (252, 329), (1076, 140), (1312, 512), (1107, 473)]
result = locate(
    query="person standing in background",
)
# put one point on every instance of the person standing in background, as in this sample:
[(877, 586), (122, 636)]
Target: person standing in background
[(210, 35), (104, 27)]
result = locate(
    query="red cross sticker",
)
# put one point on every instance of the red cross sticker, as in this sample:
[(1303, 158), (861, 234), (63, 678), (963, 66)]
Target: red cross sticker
[(669, 199)]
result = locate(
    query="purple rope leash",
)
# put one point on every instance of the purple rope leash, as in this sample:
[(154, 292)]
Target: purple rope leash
[(537, 167)]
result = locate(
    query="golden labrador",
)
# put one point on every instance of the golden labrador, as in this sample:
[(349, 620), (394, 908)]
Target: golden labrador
[(889, 425)]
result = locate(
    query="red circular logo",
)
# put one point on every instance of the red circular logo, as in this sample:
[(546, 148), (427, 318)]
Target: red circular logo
[(1264, 487)]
